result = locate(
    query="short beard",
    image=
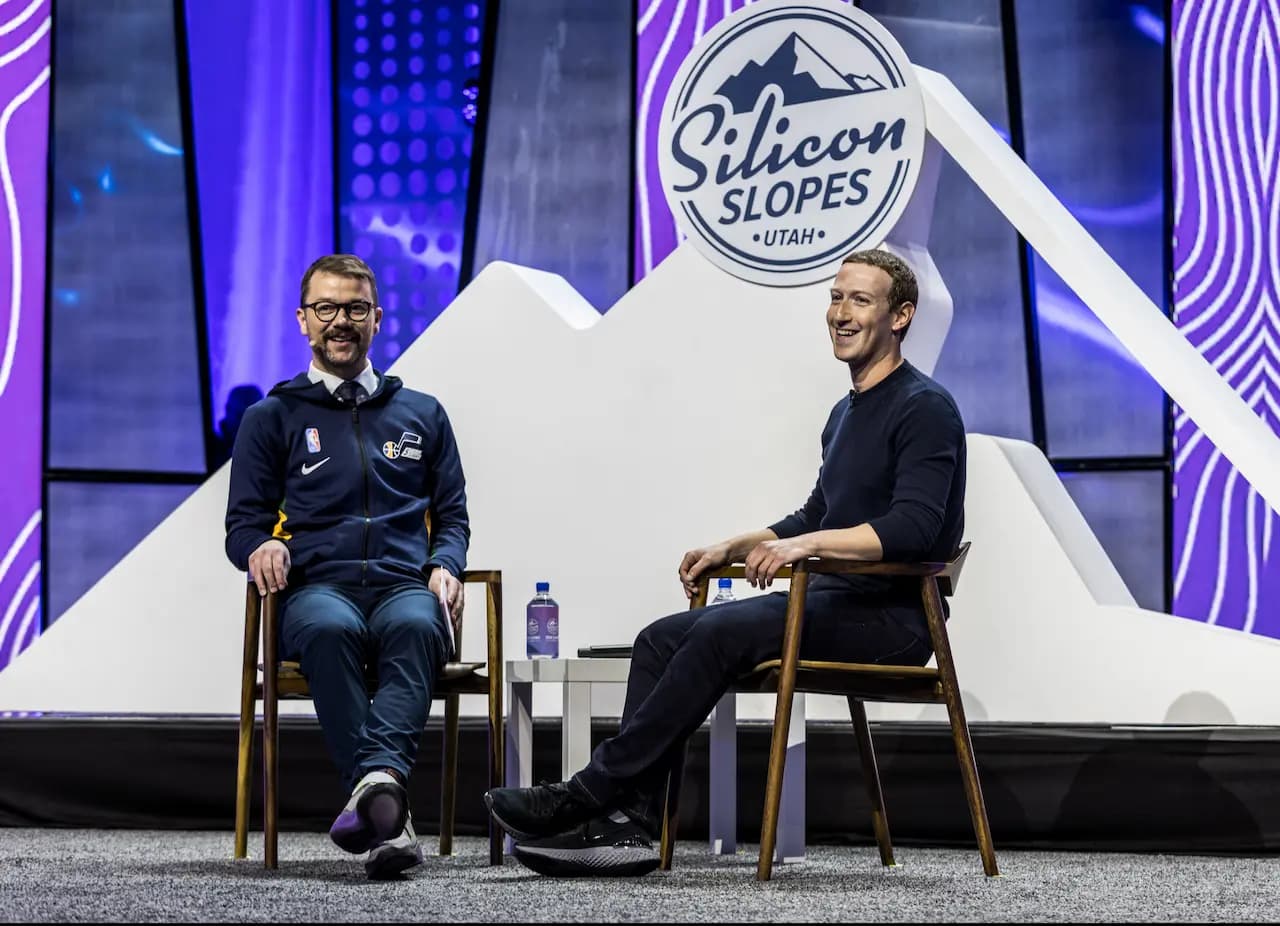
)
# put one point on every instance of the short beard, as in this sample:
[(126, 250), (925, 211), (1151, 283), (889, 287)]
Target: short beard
[(355, 364)]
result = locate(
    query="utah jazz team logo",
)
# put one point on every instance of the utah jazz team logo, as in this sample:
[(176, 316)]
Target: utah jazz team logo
[(404, 447), (792, 135)]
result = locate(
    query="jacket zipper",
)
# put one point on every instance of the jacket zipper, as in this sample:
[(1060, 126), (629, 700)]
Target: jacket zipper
[(364, 469)]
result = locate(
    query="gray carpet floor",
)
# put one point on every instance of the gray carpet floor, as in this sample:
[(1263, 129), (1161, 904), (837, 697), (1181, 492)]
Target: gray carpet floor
[(103, 875)]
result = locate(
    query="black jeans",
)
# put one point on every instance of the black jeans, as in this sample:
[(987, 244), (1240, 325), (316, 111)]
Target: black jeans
[(681, 666)]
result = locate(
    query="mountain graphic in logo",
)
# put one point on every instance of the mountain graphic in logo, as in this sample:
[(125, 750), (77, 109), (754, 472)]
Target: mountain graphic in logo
[(802, 73)]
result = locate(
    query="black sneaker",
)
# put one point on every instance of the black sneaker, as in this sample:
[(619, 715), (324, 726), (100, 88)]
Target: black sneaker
[(644, 811), (605, 847), (548, 809)]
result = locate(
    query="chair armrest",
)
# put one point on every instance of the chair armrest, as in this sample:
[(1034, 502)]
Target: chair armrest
[(948, 573), (492, 581)]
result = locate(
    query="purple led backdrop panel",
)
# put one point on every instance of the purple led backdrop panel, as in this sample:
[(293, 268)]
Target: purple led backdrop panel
[(24, 134), (665, 32), (1226, 158), (407, 75), (262, 114)]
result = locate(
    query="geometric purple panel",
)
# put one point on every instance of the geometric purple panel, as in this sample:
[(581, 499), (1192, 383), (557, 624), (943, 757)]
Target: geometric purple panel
[(665, 34), (24, 133), (1226, 158)]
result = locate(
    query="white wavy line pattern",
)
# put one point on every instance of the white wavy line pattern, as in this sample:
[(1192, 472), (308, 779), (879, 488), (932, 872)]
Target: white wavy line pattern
[(1226, 295), (666, 30), (15, 229), (24, 78), (32, 8), (27, 589)]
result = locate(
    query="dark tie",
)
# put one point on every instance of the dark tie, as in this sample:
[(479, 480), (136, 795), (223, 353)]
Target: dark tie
[(351, 393)]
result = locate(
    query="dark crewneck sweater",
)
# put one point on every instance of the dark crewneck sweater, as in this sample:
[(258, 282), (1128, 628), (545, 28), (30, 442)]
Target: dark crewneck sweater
[(893, 456)]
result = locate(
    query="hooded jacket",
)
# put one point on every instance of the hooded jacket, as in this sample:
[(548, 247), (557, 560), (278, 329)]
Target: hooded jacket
[(368, 495)]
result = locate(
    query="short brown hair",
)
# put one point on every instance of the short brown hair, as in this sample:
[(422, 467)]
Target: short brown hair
[(344, 265), (904, 287)]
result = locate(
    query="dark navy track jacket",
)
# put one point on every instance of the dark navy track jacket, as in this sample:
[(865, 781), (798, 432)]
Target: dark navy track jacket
[(349, 488)]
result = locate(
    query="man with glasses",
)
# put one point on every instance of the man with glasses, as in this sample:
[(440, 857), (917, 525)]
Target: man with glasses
[(335, 477)]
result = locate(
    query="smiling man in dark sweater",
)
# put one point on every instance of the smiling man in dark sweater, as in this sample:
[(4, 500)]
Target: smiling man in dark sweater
[(891, 487), (333, 477)]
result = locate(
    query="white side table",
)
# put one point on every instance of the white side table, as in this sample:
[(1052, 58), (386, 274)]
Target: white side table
[(577, 675), (722, 796)]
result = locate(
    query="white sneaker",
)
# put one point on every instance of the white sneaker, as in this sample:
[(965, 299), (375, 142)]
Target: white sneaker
[(377, 810), (388, 859)]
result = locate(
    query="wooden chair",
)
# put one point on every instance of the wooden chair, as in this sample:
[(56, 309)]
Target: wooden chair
[(287, 681), (859, 683)]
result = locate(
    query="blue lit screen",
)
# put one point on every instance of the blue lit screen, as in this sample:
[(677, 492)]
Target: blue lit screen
[(93, 525), (1093, 109), (124, 377)]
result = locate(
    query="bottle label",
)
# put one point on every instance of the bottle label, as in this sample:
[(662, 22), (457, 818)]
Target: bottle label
[(543, 625)]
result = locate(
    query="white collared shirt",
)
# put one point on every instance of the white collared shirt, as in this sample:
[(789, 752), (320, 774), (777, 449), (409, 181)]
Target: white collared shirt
[(367, 378)]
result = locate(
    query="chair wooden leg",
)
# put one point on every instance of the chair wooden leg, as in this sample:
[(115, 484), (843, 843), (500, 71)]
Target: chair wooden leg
[(773, 787), (497, 742), (675, 777), (244, 760), (871, 777), (959, 727), (270, 735), (782, 720), (497, 769), (972, 786), (244, 755), (671, 809), (449, 774)]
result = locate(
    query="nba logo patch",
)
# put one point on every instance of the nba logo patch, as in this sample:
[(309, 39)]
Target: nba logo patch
[(313, 440)]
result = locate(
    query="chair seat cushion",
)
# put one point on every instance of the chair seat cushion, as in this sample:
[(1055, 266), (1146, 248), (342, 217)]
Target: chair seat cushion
[(456, 676)]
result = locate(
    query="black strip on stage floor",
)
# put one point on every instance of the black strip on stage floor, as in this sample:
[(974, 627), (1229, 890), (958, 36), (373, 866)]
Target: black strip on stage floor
[(1165, 788)]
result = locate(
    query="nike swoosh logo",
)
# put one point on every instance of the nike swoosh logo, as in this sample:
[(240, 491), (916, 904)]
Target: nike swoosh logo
[(308, 470)]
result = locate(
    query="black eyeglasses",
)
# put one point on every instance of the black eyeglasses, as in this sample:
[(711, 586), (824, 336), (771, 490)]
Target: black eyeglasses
[(328, 311)]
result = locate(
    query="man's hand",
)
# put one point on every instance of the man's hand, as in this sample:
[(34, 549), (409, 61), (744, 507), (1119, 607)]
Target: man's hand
[(452, 596), (269, 567), (701, 560), (768, 557)]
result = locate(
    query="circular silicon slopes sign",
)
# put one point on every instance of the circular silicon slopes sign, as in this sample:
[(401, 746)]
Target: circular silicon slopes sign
[(792, 135)]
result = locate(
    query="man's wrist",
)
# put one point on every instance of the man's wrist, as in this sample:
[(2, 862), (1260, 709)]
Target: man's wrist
[(432, 568)]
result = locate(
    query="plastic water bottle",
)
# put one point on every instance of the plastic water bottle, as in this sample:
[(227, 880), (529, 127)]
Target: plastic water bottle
[(542, 618), (724, 591)]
